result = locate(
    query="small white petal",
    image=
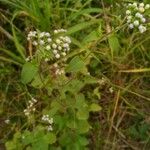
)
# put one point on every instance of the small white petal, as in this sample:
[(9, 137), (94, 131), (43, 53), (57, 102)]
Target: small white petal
[(131, 26), (41, 34), (48, 47), (47, 34), (59, 48), (134, 4), (57, 56), (54, 45), (58, 41), (41, 42), (143, 20), (55, 51), (28, 38), (55, 65), (7, 121), (65, 45), (55, 31), (141, 4), (136, 23), (138, 15), (142, 28), (141, 9), (128, 21), (63, 53), (35, 43), (129, 17), (50, 128), (147, 6), (128, 12), (49, 40)]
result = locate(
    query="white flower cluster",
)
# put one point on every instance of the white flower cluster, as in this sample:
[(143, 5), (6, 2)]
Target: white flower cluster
[(102, 81), (58, 45), (111, 90), (58, 69), (48, 120), (136, 16), (30, 107)]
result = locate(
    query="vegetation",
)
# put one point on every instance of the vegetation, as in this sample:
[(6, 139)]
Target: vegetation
[(74, 74)]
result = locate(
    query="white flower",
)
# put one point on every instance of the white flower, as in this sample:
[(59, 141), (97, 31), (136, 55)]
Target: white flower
[(134, 4), (49, 40), (68, 40), (41, 34), (47, 34), (41, 42), (27, 59), (48, 47), (34, 100), (138, 15), (111, 90), (128, 21), (58, 41), (30, 108), (50, 128), (141, 4), (55, 65), (141, 9), (63, 30), (57, 56), (128, 12), (54, 46), (142, 28), (129, 17), (35, 43), (7, 121), (59, 48), (62, 71), (129, 4), (55, 51), (50, 121), (63, 53), (28, 38), (33, 109), (46, 59), (143, 20), (68, 48), (131, 26), (147, 6), (65, 45), (136, 22), (55, 31)]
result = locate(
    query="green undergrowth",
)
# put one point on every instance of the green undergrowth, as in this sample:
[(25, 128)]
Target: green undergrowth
[(101, 99)]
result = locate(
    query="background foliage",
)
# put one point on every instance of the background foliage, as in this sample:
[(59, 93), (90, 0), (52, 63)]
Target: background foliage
[(103, 100)]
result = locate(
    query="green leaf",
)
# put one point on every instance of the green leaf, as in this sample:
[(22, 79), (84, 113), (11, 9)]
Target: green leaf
[(72, 124), (27, 138), (83, 141), (81, 26), (50, 138), (83, 126), (29, 70), (80, 101), (39, 81), (97, 93), (83, 12), (114, 44), (83, 114), (76, 65), (93, 36), (95, 107)]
